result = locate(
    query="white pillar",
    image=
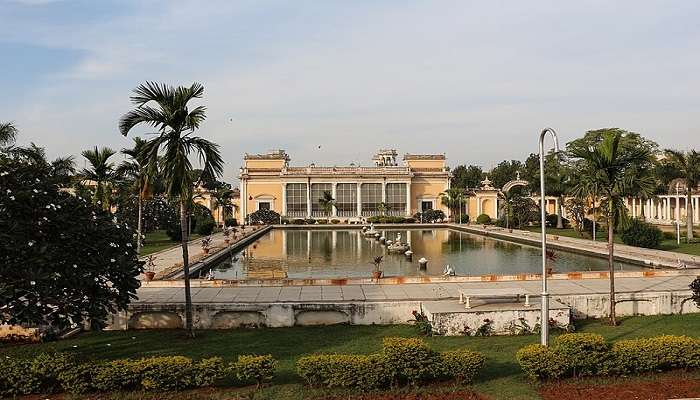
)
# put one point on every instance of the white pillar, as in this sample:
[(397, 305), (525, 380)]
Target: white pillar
[(696, 215), (308, 199), (359, 199), (284, 198), (658, 208), (384, 192), (678, 209), (244, 201), (634, 208), (334, 193), (408, 199)]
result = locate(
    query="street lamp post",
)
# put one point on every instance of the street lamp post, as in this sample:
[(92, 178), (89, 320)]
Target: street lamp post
[(544, 319)]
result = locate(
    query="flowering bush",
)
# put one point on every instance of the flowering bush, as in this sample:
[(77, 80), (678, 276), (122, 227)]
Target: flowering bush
[(64, 260)]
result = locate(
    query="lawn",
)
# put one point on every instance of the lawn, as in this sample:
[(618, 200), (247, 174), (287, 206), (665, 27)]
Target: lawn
[(602, 235), (501, 378), (159, 240)]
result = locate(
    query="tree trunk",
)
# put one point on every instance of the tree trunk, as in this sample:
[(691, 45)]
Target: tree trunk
[(611, 269), (594, 218), (689, 216), (184, 226), (139, 226), (560, 222)]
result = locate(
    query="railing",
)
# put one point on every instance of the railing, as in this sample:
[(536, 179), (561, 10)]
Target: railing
[(319, 213), (297, 214), (347, 213), (346, 170)]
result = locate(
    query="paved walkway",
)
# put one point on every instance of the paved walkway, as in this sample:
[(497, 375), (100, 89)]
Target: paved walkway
[(170, 260), (402, 292), (656, 257)]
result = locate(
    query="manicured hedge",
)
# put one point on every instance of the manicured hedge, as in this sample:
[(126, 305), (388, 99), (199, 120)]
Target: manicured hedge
[(483, 219), (577, 354), (401, 361), (61, 372)]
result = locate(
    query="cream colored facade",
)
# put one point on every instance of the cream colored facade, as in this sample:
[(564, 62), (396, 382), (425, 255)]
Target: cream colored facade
[(269, 182)]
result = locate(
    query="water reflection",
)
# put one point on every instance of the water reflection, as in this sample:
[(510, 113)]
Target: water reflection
[(347, 253)]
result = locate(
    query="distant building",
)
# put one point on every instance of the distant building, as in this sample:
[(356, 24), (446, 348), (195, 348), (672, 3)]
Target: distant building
[(269, 182)]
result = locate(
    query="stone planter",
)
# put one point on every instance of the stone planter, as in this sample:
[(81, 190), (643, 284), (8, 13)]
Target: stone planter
[(149, 275), (376, 274)]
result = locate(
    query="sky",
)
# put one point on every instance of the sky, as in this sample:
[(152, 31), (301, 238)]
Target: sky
[(333, 81)]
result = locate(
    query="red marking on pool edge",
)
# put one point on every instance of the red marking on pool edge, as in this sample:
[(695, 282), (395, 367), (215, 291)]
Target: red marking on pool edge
[(339, 281), (574, 275)]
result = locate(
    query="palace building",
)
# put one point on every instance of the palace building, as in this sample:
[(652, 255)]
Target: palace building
[(267, 181)]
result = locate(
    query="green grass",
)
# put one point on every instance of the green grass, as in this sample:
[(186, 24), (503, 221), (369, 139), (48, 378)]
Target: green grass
[(602, 235), (159, 240), (501, 378)]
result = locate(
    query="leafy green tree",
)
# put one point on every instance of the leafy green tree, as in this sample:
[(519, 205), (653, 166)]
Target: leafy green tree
[(64, 260), (327, 202), (466, 177), (102, 173), (223, 199), (688, 165), (607, 160), (504, 172), (165, 108)]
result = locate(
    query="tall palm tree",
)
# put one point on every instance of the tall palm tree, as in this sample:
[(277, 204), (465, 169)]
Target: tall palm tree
[(8, 133), (223, 198), (607, 163), (134, 170), (327, 202), (101, 172), (165, 108), (587, 188), (688, 164), (453, 198)]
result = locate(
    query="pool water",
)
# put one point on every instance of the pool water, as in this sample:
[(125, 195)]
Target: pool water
[(346, 253)]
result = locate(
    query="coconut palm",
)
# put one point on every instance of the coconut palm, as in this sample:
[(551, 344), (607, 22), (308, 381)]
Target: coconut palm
[(453, 198), (327, 202), (688, 165), (101, 172), (134, 170), (165, 108), (223, 200), (607, 162), (8, 134)]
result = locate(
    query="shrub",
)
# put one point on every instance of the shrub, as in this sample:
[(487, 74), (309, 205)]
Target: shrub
[(267, 217), (655, 354), (429, 216), (46, 367), (541, 362), (669, 235), (17, 377), (206, 226), (298, 221), (344, 370), (208, 371), (642, 234), (254, 368), (165, 373), (310, 221), (231, 222), (116, 375), (174, 232), (483, 219), (335, 221), (462, 219), (77, 378), (463, 364), (410, 360), (583, 353)]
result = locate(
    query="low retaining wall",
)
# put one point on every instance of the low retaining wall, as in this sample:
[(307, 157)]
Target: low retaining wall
[(234, 315)]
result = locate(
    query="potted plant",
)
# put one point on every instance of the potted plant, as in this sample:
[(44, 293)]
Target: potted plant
[(206, 243), (227, 235), (377, 273), (150, 268)]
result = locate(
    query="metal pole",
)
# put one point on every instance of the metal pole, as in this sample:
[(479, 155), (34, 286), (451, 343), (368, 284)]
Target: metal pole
[(678, 213), (544, 319)]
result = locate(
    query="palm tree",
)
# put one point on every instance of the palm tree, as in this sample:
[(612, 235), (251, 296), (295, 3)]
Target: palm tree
[(101, 172), (165, 108), (327, 202), (134, 170), (587, 188), (688, 164), (453, 198), (223, 199), (8, 133), (607, 163)]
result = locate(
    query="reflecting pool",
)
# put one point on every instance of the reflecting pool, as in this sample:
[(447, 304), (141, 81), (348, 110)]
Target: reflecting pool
[(309, 253)]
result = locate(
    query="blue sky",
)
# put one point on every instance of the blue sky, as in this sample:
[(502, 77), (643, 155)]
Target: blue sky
[(475, 80)]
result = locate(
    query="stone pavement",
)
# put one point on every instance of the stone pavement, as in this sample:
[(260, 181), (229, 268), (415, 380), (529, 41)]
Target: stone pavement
[(638, 254), (401, 292), (169, 260)]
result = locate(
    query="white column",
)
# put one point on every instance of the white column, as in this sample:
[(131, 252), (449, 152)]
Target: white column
[(244, 201), (658, 208), (308, 199), (667, 211), (634, 209), (696, 215), (678, 209), (334, 194), (359, 199), (284, 198), (384, 192), (408, 199)]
